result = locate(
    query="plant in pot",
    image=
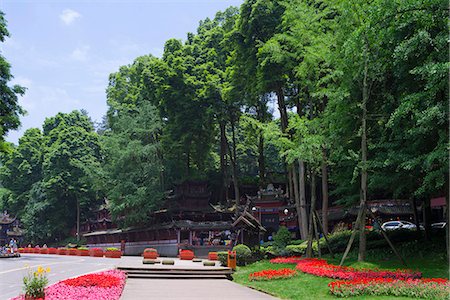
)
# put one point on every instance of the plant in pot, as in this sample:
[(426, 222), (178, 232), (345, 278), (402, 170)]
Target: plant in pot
[(150, 253), (62, 251), (35, 283), (83, 251), (113, 253), (43, 251), (186, 254), (52, 251), (96, 252), (21, 250), (72, 251)]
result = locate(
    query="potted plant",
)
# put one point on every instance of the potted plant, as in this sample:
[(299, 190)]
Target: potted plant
[(43, 251), (83, 251), (21, 250), (72, 251), (212, 256), (150, 253), (62, 251), (52, 251), (113, 253), (35, 283), (186, 254), (36, 250), (96, 252)]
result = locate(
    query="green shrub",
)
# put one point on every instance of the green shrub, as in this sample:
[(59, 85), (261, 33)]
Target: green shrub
[(282, 238), (168, 262), (83, 248), (223, 257), (243, 254), (112, 249), (296, 250), (296, 242)]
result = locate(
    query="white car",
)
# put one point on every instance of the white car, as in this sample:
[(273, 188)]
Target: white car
[(394, 225), (440, 225)]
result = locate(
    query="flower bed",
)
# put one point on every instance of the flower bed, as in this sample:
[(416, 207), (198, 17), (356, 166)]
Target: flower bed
[(320, 267), (287, 260), (429, 288), (272, 274), (99, 286)]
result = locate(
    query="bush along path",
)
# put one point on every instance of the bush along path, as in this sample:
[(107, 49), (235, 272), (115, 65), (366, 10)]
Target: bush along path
[(106, 285), (359, 282)]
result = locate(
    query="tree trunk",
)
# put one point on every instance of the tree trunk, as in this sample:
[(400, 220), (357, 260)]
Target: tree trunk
[(261, 162), (282, 109), (234, 164), (223, 161), (290, 186), (324, 192), (302, 197), (78, 219), (362, 235), (297, 202), (416, 217), (309, 250), (426, 210)]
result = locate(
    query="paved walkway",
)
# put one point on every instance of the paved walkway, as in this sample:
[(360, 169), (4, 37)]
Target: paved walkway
[(203, 289)]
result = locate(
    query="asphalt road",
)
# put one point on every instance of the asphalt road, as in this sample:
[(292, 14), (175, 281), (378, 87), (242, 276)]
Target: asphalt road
[(12, 270)]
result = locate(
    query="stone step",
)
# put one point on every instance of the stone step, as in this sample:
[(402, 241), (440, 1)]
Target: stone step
[(179, 272)]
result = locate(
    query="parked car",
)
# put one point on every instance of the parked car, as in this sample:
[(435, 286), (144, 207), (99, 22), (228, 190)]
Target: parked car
[(394, 225), (440, 225)]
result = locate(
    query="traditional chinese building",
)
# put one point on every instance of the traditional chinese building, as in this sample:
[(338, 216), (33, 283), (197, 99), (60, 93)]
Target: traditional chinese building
[(187, 220), (9, 229), (271, 206)]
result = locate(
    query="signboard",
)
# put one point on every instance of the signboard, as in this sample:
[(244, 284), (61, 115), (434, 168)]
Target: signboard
[(270, 221)]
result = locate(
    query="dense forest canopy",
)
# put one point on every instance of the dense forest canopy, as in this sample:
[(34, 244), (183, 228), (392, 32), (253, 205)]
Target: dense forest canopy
[(346, 98)]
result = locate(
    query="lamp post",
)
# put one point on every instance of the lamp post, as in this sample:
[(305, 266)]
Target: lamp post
[(256, 209)]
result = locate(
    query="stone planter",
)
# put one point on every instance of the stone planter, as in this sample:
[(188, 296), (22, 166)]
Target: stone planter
[(212, 256), (186, 255), (83, 252), (52, 251), (150, 253), (113, 253), (96, 252), (72, 251)]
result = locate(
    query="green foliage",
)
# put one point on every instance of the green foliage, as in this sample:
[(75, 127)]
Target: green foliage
[(281, 238), (112, 249), (223, 257), (10, 110), (35, 283), (243, 254)]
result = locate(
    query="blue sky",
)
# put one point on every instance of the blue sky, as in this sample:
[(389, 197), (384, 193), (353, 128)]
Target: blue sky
[(63, 51)]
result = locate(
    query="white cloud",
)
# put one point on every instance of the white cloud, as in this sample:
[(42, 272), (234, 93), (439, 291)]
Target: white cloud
[(68, 16), (80, 53)]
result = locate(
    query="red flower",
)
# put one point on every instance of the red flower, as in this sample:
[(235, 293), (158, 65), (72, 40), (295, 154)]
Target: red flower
[(272, 274), (96, 280)]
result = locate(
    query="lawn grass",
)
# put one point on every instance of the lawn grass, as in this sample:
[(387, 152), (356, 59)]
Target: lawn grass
[(305, 286)]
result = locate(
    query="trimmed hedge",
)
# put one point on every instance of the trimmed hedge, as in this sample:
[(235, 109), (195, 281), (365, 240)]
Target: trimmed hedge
[(223, 258), (243, 254)]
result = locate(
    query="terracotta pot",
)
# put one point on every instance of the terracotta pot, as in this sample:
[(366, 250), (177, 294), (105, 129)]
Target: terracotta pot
[(96, 253), (113, 254), (37, 250), (72, 251), (186, 255), (150, 253), (212, 256), (62, 251), (44, 251), (52, 251), (21, 250), (84, 252)]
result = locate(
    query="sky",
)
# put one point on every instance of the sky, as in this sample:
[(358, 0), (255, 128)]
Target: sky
[(63, 51)]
